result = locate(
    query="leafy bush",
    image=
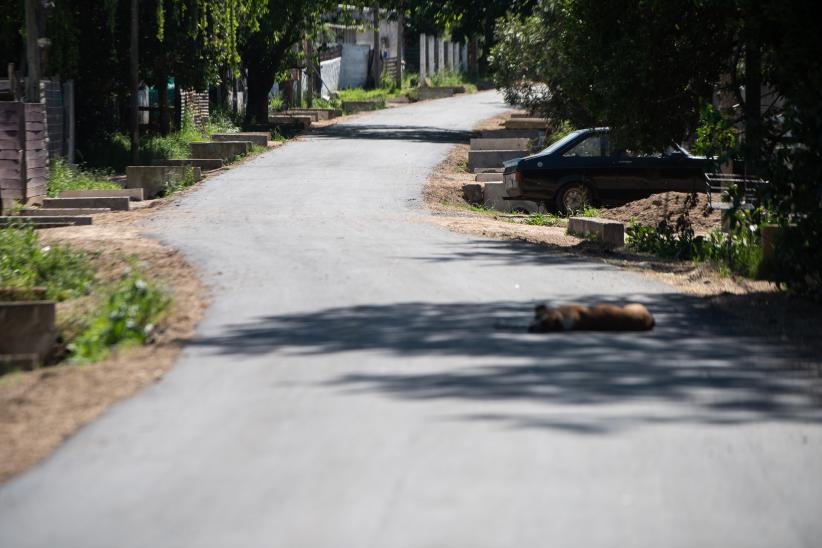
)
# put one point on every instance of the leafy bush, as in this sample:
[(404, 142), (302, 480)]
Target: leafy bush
[(739, 252), (25, 264), (129, 316), (63, 177)]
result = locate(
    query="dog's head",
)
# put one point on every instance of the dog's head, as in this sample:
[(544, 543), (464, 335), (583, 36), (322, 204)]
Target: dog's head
[(545, 320)]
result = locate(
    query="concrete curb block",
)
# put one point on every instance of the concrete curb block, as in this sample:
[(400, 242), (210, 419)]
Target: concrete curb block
[(28, 327), (609, 232)]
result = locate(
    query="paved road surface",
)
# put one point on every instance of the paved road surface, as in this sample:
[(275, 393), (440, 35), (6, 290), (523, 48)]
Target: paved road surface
[(362, 380)]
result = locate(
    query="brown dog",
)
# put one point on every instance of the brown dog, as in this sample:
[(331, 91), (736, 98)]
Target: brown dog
[(600, 317)]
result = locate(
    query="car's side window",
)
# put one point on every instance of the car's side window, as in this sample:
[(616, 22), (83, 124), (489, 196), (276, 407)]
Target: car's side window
[(588, 148)]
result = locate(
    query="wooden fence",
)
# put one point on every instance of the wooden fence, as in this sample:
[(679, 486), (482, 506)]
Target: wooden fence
[(23, 153)]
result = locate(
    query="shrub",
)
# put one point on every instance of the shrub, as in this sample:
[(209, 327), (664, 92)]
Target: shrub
[(25, 264), (63, 177), (129, 316)]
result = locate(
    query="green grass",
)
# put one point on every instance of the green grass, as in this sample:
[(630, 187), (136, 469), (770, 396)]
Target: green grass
[(25, 263), (127, 311), (586, 211), (63, 177), (128, 316), (360, 94), (448, 78), (114, 151), (543, 219)]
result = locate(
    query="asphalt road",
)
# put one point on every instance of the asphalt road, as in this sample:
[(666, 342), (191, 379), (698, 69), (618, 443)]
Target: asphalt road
[(362, 379)]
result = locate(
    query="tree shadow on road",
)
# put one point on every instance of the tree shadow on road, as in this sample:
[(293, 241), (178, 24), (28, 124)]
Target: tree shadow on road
[(691, 367), (379, 132)]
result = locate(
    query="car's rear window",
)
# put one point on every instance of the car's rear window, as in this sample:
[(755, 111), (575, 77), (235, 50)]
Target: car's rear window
[(559, 144)]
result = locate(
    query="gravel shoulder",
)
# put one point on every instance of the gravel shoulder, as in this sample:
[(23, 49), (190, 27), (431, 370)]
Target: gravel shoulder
[(41, 408)]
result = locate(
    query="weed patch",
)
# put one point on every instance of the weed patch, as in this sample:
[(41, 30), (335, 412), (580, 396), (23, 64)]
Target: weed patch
[(25, 264), (543, 219), (63, 177), (128, 316)]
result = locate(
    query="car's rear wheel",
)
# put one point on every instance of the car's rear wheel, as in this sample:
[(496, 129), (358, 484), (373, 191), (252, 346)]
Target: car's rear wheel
[(573, 197)]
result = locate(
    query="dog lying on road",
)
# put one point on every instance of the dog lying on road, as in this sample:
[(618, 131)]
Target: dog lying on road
[(600, 317)]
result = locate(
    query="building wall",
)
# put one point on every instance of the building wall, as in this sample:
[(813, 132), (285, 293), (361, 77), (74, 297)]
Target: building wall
[(354, 66)]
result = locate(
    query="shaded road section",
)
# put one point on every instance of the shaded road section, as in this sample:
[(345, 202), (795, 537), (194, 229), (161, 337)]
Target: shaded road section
[(363, 379)]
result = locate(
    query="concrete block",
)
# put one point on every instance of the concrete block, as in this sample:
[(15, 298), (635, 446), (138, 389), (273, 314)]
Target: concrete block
[(134, 194), (472, 192), (499, 169), (259, 138), (426, 93), (46, 221), (493, 177), (115, 203), (458, 89), (28, 327), (362, 106), (205, 164), (226, 151), (53, 211), (503, 133), (316, 113), (609, 232), (290, 120), (492, 158), (401, 100), (154, 180), (500, 144), (526, 123), (494, 197)]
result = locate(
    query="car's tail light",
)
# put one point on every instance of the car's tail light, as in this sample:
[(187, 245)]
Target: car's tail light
[(518, 175)]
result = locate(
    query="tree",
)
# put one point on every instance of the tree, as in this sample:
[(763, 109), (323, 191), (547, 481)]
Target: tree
[(645, 67), (266, 46)]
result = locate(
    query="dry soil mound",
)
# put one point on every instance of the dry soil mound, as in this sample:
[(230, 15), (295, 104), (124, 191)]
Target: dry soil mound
[(667, 206)]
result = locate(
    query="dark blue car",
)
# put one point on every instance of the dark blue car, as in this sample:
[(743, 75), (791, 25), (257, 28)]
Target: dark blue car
[(584, 167)]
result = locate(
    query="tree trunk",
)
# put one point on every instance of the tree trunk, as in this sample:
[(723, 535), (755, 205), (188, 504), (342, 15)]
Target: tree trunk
[(259, 85), (135, 84), (309, 72), (32, 53), (162, 88), (753, 97), (400, 48), (376, 58)]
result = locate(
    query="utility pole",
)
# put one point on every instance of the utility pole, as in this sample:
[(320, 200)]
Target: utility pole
[(376, 66), (135, 84), (32, 53), (400, 46), (309, 71)]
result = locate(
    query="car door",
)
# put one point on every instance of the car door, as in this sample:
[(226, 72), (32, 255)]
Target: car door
[(587, 159), (638, 174), (682, 173)]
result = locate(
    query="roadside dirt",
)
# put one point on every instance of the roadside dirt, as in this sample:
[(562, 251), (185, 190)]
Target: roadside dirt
[(668, 207), (40, 408), (760, 308)]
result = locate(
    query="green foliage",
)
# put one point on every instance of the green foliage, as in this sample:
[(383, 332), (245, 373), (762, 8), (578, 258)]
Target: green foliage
[(360, 94), (63, 177), (113, 151), (739, 252), (715, 136), (179, 183), (449, 78), (586, 211), (129, 316), (559, 130), (543, 219), (221, 121), (25, 263)]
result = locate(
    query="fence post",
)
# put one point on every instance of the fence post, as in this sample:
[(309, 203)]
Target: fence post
[(68, 120)]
